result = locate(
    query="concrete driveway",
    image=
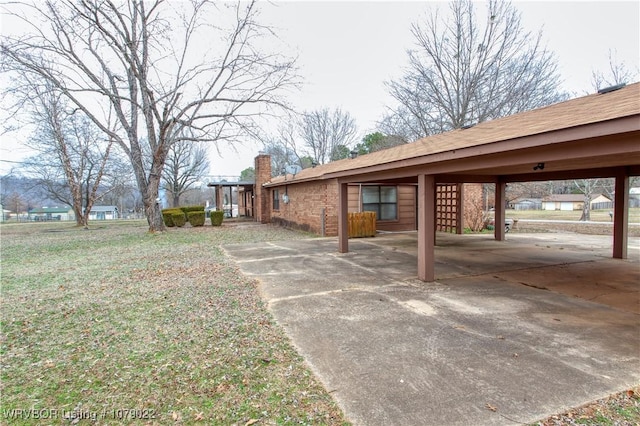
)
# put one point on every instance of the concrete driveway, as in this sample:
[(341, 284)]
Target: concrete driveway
[(500, 338)]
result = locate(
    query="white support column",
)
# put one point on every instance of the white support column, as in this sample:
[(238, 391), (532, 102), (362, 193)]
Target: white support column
[(426, 227), (343, 225), (499, 210), (621, 215)]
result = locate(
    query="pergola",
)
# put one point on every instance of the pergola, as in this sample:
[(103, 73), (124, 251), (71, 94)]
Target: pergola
[(595, 136)]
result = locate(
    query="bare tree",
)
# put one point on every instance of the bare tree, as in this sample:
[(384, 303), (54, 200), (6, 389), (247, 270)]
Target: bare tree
[(516, 190), (326, 134), (465, 70), (186, 164), (281, 156), (72, 155), (401, 122), (18, 193), (588, 188), (283, 147), (14, 202), (618, 73), (143, 66)]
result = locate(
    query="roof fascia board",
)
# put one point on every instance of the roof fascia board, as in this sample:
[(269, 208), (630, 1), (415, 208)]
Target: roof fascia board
[(608, 128), (626, 146)]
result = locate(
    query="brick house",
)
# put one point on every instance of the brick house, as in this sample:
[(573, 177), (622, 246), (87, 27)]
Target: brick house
[(595, 136), (309, 202)]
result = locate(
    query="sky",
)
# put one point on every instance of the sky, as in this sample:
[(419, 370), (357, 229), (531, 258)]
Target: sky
[(347, 50)]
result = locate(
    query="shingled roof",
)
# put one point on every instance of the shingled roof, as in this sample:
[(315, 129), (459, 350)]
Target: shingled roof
[(490, 136)]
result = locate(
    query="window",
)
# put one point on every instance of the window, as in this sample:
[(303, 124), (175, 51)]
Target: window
[(383, 200), (276, 199)]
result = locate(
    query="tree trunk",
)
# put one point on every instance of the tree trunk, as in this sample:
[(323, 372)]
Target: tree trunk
[(84, 222), (153, 211), (77, 211), (586, 209), (152, 207)]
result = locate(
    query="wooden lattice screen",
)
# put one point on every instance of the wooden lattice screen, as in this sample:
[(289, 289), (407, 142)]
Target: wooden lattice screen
[(448, 212)]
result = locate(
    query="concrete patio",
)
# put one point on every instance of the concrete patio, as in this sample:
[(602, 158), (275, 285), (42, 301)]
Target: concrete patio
[(509, 333)]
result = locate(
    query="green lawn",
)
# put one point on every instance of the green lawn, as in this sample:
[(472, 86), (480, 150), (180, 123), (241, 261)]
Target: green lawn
[(114, 323)]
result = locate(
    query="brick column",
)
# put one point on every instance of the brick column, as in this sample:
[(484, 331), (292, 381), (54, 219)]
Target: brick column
[(262, 202)]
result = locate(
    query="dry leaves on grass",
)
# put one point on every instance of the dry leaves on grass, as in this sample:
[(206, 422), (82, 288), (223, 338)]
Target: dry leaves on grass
[(619, 409), (162, 322)]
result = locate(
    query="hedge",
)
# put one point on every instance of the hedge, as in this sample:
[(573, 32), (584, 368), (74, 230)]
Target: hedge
[(216, 217), (187, 209), (167, 216), (178, 219), (196, 218)]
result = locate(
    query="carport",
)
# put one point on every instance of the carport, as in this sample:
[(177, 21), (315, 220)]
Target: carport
[(596, 136)]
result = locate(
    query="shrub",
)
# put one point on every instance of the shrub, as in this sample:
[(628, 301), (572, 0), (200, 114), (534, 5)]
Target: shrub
[(196, 218), (167, 216), (187, 209), (178, 219), (216, 217)]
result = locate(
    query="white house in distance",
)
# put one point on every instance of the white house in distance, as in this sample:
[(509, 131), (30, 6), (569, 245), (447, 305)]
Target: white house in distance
[(51, 213), (571, 202), (65, 213), (103, 213)]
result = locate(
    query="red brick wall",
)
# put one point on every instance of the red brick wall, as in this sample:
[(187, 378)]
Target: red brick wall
[(262, 200), (308, 199), (313, 206), (310, 205)]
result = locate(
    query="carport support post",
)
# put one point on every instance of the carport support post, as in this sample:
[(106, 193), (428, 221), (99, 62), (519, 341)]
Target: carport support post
[(426, 227), (501, 188), (343, 225), (621, 215)]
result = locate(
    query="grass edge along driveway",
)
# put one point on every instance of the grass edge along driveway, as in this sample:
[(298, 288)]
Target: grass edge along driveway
[(115, 324)]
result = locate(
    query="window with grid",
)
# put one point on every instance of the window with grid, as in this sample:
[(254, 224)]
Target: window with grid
[(383, 200), (276, 199)]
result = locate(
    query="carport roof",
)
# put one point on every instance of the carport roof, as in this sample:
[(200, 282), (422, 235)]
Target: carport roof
[(594, 132)]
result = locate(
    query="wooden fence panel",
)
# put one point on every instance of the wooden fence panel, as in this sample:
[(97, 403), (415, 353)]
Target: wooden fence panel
[(362, 224)]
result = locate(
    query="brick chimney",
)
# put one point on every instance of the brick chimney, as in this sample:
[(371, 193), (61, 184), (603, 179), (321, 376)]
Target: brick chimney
[(262, 200)]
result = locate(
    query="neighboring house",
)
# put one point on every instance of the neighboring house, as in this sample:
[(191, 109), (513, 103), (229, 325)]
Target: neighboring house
[(103, 213), (63, 213), (51, 213), (526, 204), (570, 202)]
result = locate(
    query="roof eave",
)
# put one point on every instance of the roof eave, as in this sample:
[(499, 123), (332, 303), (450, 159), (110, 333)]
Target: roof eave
[(617, 126)]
